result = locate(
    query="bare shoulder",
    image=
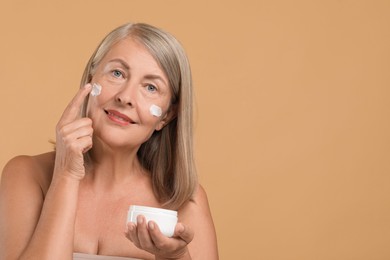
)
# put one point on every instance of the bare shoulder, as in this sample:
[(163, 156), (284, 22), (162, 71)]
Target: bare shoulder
[(24, 183), (198, 205), (196, 214), (32, 170)]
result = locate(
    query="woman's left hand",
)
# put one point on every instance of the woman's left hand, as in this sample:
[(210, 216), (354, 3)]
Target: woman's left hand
[(147, 236)]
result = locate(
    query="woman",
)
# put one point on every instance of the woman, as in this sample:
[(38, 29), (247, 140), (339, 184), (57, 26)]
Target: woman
[(113, 151)]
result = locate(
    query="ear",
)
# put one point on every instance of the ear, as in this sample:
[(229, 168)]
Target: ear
[(167, 117)]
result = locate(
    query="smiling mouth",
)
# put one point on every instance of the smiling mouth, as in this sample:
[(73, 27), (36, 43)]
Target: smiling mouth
[(118, 117)]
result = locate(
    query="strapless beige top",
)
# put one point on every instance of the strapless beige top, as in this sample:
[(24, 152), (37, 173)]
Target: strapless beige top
[(81, 256)]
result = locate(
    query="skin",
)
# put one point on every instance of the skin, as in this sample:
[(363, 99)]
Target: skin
[(54, 204)]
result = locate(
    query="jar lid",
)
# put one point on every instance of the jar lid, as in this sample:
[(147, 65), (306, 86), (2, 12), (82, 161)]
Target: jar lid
[(153, 210)]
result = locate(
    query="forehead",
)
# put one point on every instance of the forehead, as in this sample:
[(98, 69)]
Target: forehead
[(134, 53)]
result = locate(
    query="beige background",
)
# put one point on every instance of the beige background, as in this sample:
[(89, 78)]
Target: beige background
[(293, 109)]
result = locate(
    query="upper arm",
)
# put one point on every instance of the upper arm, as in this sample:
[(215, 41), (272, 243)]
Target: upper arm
[(197, 215), (21, 200)]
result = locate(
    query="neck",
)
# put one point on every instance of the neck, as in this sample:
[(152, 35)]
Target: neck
[(111, 167)]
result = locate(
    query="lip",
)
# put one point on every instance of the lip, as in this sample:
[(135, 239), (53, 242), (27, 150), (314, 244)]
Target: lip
[(118, 117)]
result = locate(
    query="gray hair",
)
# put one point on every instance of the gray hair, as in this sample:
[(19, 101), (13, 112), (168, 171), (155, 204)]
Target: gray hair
[(168, 154)]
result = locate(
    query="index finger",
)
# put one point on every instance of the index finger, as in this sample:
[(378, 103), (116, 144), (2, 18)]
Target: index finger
[(72, 111)]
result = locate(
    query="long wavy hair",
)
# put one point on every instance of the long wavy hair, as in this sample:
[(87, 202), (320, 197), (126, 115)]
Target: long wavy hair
[(168, 154)]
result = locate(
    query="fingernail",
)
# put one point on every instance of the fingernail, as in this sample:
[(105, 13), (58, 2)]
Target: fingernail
[(88, 85), (140, 219), (130, 227), (151, 225)]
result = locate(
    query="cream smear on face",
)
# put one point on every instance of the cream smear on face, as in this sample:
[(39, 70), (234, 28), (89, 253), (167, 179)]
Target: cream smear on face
[(96, 89), (155, 110)]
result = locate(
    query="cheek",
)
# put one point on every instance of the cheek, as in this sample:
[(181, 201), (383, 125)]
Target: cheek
[(96, 102), (107, 92), (155, 110), (143, 108), (152, 109)]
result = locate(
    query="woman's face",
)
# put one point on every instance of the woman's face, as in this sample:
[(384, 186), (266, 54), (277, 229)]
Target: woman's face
[(132, 82)]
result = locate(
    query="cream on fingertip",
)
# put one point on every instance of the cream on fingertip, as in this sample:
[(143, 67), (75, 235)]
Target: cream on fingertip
[(88, 85)]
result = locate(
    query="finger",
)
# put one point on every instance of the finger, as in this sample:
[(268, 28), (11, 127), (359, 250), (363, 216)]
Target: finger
[(132, 234), (71, 133), (87, 144), (73, 110), (84, 124), (143, 234), (79, 146), (159, 239), (77, 141), (155, 231), (184, 232)]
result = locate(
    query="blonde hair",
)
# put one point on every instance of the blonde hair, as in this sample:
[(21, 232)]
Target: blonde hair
[(168, 154)]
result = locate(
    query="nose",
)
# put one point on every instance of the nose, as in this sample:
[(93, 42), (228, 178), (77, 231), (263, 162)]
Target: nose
[(126, 95), (123, 100)]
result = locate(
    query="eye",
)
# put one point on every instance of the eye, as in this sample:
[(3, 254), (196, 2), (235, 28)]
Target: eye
[(151, 88), (117, 73)]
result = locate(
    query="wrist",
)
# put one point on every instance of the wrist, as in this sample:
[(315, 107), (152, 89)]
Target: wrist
[(65, 179), (67, 175)]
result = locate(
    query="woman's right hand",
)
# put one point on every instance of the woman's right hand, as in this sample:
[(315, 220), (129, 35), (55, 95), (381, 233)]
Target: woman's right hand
[(73, 138)]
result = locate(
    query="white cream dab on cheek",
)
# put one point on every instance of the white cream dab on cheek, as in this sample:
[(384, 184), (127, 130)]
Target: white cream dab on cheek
[(96, 89), (155, 110)]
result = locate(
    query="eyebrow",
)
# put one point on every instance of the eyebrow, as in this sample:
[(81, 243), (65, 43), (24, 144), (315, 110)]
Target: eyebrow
[(156, 77), (122, 62)]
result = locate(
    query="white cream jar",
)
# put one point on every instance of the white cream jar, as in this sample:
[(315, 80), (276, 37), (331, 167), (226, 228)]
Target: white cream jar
[(165, 219)]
